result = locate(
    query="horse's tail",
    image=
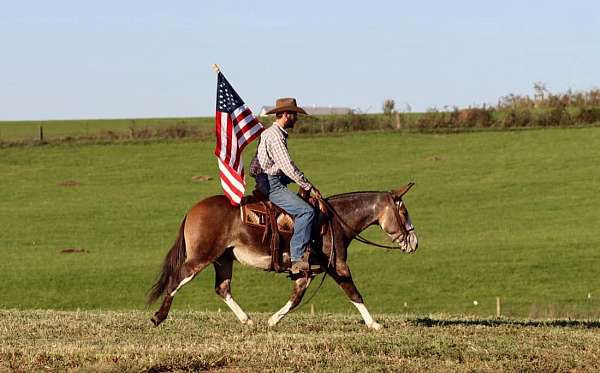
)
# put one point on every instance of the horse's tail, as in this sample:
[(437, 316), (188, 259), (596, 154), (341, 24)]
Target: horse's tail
[(173, 261)]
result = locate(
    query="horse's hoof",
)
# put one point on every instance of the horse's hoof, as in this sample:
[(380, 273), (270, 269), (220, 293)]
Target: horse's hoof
[(155, 320), (375, 326), (248, 322)]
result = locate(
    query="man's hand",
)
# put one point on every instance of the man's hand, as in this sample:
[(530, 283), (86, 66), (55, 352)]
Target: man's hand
[(316, 193), (303, 193)]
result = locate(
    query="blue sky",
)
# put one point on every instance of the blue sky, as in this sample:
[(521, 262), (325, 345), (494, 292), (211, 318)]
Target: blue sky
[(120, 59)]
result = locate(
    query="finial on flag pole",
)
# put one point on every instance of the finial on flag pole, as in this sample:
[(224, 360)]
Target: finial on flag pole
[(216, 68)]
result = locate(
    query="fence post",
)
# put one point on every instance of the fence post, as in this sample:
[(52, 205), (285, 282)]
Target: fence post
[(498, 313), (312, 309), (41, 134), (398, 126)]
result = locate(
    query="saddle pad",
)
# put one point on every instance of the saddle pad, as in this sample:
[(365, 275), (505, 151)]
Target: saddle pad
[(256, 214)]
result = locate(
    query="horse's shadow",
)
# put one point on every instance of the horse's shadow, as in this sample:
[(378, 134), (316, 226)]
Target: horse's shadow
[(561, 323)]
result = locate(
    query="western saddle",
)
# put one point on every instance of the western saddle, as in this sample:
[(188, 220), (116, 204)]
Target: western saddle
[(277, 226)]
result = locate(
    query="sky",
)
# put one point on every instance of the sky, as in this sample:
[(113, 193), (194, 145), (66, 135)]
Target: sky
[(133, 59)]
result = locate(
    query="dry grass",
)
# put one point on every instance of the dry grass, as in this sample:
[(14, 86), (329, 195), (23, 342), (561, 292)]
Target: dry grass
[(193, 341)]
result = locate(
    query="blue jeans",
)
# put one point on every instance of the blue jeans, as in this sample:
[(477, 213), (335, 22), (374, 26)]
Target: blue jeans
[(275, 187)]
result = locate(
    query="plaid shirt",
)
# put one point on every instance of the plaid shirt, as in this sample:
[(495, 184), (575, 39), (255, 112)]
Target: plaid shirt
[(273, 158)]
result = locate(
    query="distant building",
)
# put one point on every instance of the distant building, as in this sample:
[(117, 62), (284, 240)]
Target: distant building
[(314, 110)]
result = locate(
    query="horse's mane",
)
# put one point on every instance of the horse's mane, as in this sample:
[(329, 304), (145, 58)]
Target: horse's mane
[(350, 194)]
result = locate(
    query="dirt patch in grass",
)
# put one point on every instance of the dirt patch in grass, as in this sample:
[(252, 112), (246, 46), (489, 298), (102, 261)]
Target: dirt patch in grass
[(435, 158), (201, 178), (69, 183), (70, 250)]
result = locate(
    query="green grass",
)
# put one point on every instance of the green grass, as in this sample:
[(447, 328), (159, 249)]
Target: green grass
[(195, 341), (509, 214)]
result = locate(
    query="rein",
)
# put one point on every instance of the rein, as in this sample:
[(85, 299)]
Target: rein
[(313, 294), (357, 235)]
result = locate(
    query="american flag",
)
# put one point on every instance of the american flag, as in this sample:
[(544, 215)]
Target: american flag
[(235, 127)]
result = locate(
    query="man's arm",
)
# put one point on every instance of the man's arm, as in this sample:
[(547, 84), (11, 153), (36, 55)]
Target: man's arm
[(281, 157)]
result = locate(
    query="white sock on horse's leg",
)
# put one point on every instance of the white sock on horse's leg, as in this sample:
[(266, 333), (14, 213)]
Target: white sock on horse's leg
[(183, 282), (241, 315), (273, 320), (367, 316)]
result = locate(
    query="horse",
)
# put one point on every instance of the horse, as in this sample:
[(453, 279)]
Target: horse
[(212, 232)]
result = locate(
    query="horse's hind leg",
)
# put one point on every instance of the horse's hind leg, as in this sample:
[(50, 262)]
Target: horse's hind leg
[(300, 286), (188, 271), (223, 271), (343, 278)]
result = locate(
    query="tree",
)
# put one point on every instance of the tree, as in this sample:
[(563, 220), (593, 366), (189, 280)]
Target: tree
[(540, 91), (388, 106)]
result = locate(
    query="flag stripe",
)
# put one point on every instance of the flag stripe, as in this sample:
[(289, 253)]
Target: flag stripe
[(217, 129), (228, 185), (234, 198), (244, 131), (235, 127), (223, 134), (243, 116), (248, 136), (233, 189), (231, 148), (236, 179)]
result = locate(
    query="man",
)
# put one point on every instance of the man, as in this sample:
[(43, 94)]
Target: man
[(274, 170)]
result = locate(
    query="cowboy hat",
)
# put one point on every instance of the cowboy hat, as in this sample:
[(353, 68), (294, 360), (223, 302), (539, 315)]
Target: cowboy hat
[(286, 104)]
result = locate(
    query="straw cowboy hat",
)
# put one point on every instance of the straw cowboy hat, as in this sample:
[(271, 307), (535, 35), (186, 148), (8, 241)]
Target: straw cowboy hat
[(286, 104)]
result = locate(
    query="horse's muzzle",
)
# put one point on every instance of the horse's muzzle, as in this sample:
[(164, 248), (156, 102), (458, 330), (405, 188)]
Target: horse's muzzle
[(410, 242)]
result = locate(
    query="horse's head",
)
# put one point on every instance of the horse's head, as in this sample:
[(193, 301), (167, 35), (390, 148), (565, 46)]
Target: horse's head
[(395, 220)]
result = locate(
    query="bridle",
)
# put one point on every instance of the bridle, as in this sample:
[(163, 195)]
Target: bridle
[(331, 211), (411, 227), (357, 235)]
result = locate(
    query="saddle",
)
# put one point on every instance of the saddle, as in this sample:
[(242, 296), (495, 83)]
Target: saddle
[(277, 226)]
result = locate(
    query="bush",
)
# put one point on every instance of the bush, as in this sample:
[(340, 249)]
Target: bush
[(342, 123), (435, 119), (474, 117), (515, 118), (512, 111), (587, 115)]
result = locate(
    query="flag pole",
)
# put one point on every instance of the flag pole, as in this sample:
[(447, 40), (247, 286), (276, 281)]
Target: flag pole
[(216, 68)]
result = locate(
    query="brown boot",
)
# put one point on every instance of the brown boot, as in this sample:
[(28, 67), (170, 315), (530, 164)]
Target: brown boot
[(300, 266)]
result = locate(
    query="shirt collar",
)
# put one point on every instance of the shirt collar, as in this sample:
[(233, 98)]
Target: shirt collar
[(283, 131)]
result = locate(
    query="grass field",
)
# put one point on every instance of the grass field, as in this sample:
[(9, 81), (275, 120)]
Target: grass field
[(196, 341), (509, 214)]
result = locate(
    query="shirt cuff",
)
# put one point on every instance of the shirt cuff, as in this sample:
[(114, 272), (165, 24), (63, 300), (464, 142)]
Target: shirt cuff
[(306, 185)]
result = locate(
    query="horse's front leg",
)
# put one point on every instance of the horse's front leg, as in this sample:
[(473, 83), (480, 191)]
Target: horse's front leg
[(342, 276), (300, 286)]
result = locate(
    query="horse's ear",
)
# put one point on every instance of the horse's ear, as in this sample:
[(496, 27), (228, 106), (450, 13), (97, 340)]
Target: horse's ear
[(397, 194)]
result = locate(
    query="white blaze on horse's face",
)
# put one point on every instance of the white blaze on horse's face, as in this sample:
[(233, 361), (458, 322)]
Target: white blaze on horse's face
[(396, 222)]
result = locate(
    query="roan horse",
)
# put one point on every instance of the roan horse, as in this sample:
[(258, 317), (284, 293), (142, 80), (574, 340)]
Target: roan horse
[(212, 233)]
